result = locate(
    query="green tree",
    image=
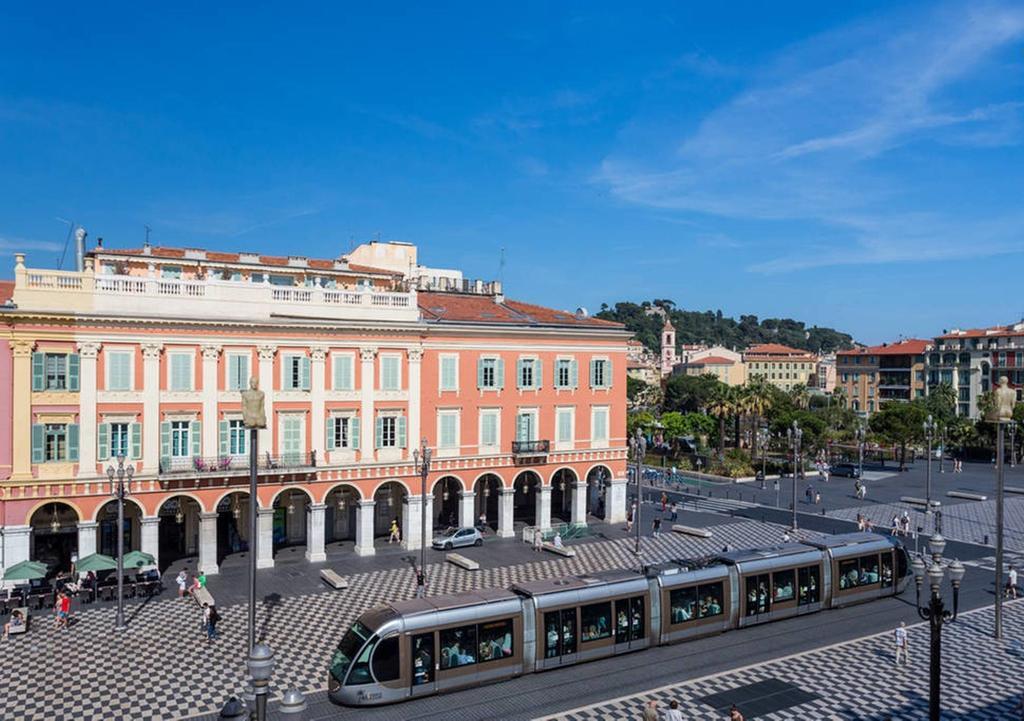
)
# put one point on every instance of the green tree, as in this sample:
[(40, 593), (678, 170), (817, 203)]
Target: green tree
[(941, 403), (689, 394), (900, 423), (643, 420), (722, 406)]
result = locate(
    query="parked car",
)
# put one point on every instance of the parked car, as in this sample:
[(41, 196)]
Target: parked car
[(458, 537), (849, 470)]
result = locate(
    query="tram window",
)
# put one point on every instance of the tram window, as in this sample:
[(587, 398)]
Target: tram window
[(887, 578), (569, 630), (710, 595), (784, 585), (901, 563), (385, 660), (551, 631), (458, 647), (622, 620), (868, 569), (758, 598), (683, 604), (360, 673), (849, 574), (808, 581), (348, 647), (495, 640), (595, 621), (636, 619), (422, 659)]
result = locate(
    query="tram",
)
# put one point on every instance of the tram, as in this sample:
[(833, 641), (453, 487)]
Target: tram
[(430, 645)]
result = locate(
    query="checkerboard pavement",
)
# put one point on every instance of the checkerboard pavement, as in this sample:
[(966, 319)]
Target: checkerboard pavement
[(162, 666), (980, 682)]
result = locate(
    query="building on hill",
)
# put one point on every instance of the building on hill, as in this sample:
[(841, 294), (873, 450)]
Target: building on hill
[(780, 365), (824, 380), (726, 370), (641, 363), (142, 355), (874, 375), (973, 360), (668, 348)]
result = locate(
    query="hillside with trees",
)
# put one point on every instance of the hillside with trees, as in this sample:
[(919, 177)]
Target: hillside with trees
[(712, 328)]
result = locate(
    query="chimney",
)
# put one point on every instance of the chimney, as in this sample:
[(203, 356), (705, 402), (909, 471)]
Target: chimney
[(80, 249)]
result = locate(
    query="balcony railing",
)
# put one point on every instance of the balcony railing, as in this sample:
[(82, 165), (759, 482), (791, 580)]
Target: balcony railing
[(228, 464), (531, 448)]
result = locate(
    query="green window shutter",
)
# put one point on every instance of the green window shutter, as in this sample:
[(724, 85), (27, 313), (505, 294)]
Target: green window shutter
[(196, 432), (343, 373), (136, 439), (538, 378), (573, 374), (519, 373), (379, 432), (353, 432), (38, 443), (329, 430), (72, 441), (593, 373), (224, 431), (607, 374), (38, 372), (165, 443), (103, 441), (448, 374), (479, 373), (488, 430), (74, 371), (304, 363), (499, 373), (401, 431), (522, 431)]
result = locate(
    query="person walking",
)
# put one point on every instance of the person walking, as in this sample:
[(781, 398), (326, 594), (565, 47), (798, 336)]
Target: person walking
[(902, 643), (1011, 582), (395, 535), (673, 713), (674, 511), (209, 625), (664, 501), (786, 537), (630, 517), (538, 541), (809, 494), (817, 498), (656, 527), (735, 714), (651, 711), (182, 580)]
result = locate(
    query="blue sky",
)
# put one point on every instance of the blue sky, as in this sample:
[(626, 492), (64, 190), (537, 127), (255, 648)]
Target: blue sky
[(849, 164)]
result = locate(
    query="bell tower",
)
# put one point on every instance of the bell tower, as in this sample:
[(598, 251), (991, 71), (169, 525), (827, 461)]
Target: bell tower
[(668, 347)]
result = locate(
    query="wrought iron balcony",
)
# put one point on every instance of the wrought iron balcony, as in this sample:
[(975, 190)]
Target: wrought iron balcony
[(207, 465), (531, 448)]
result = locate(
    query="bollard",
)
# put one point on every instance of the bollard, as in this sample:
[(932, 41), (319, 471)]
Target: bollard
[(234, 709), (292, 702)]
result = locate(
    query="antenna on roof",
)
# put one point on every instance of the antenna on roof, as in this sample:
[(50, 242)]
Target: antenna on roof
[(501, 266), (148, 229), (67, 239)]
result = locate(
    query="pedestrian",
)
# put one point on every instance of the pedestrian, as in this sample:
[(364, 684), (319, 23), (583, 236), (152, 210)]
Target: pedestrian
[(482, 521), (395, 535), (675, 512), (817, 498), (61, 609), (557, 540), (182, 581), (1011, 582), (630, 517), (895, 525), (664, 501), (735, 715), (208, 623), (656, 527), (863, 491), (809, 494), (538, 541), (201, 579), (673, 713), (902, 643), (827, 472), (785, 536), (856, 488), (860, 522), (651, 711)]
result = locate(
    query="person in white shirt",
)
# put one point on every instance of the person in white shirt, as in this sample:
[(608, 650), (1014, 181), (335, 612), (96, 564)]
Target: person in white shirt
[(558, 540), (673, 713), (902, 643), (182, 581), (1011, 583)]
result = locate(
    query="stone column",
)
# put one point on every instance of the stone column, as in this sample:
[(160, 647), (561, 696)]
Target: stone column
[(579, 503), (151, 412), (208, 543), (415, 364), (87, 538), (17, 541), (317, 389), (412, 509), (506, 509), (150, 534), (266, 375), (211, 441), (87, 352), (21, 391), (467, 507), (316, 533), (615, 501), (366, 392), (265, 541), (364, 528), (543, 507)]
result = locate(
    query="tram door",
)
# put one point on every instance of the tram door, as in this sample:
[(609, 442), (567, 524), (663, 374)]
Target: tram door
[(630, 625), (559, 638), (424, 664)]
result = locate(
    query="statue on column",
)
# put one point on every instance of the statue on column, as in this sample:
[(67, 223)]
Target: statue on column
[(254, 415), (1004, 401)]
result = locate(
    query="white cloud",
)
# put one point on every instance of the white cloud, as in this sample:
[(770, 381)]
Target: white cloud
[(18, 245), (810, 138)]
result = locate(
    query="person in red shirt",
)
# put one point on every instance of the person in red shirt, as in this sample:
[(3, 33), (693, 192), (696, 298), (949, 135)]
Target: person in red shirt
[(65, 611)]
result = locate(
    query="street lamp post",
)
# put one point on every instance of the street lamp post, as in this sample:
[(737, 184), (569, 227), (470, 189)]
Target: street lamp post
[(860, 433), (795, 435), (421, 458), (929, 434), (261, 667), (1000, 489), (942, 449), (935, 612), (762, 437), (120, 488), (1013, 444), (638, 444)]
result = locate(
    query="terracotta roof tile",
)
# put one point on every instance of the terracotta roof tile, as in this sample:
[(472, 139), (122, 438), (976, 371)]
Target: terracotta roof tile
[(998, 331), (909, 346), (482, 309), (775, 349), (6, 290), (159, 251), (712, 360)]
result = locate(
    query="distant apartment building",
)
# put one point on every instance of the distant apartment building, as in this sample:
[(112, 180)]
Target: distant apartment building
[(824, 379), (972, 360), (641, 363), (780, 365), (726, 365), (889, 372)]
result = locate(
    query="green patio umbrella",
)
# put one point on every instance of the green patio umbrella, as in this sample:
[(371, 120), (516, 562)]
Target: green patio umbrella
[(25, 571), (138, 559), (95, 562)]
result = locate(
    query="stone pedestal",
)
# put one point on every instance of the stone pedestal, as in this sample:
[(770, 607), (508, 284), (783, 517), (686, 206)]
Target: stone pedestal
[(150, 534), (316, 534), (543, 507), (506, 509), (579, 503), (87, 538), (265, 539), (411, 522), (208, 543), (467, 508), (615, 507), (364, 528)]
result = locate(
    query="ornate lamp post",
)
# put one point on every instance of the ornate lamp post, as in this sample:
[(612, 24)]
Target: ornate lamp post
[(795, 436), (935, 612), (421, 458), (120, 488), (261, 667), (638, 444), (929, 433)]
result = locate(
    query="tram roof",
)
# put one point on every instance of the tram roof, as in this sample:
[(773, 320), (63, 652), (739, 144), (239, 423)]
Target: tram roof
[(431, 604), (756, 554), (848, 539), (570, 583)]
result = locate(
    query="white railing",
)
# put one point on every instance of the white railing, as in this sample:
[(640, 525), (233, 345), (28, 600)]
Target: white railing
[(54, 280)]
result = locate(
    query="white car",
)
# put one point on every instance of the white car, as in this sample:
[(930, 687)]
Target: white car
[(458, 537)]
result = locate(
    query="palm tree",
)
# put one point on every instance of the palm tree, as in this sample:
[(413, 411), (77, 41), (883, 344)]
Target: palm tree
[(722, 406), (801, 396), (839, 396)]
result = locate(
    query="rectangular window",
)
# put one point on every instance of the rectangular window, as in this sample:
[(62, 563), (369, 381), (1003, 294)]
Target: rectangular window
[(488, 373), (495, 640), (599, 425), (120, 440), (448, 425), (171, 271), (683, 604), (449, 380), (565, 418), (489, 428), (341, 436), (56, 442), (758, 597), (180, 371), (596, 622), (564, 373), (783, 586), (238, 372), (56, 365), (710, 597), (600, 373), (526, 427), (237, 438), (528, 373), (807, 580), (291, 437), (390, 379), (295, 373), (180, 446), (458, 647), (423, 659), (119, 370), (388, 431), (344, 372)]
